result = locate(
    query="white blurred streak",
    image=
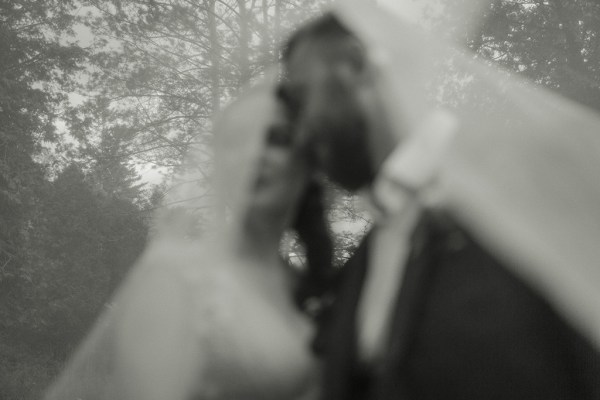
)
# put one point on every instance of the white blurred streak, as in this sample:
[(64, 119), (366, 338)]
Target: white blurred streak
[(462, 19), (522, 173), (208, 198), (453, 19), (409, 10), (203, 316)]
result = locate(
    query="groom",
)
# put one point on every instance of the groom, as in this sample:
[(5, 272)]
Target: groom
[(424, 311)]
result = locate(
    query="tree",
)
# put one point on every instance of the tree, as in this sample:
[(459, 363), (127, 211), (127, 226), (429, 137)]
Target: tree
[(34, 66), (161, 70), (84, 242), (551, 42)]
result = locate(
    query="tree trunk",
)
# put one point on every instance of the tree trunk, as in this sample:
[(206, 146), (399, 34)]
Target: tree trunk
[(215, 87), (244, 45), (215, 57)]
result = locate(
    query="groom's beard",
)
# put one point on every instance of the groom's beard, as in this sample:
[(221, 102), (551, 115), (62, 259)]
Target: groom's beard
[(331, 128), (337, 129)]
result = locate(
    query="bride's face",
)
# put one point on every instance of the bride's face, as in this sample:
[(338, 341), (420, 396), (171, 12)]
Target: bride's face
[(281, 172), (261, 174)]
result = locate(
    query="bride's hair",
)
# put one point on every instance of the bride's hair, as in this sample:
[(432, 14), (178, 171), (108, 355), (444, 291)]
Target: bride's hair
[(311, 225)]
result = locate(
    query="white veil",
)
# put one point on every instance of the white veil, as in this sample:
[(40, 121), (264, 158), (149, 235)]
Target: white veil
[(522, 171), (207, 314)]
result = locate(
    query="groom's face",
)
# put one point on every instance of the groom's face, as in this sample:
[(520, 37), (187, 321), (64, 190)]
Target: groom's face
[(320, 91)]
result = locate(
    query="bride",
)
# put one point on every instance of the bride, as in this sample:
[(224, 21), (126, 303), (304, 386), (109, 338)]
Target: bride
[(212, 318)]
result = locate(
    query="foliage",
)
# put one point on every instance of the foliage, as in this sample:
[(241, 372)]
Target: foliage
[(33, 64), (554, 43), (83, 243), (64, 244), (162, 69)]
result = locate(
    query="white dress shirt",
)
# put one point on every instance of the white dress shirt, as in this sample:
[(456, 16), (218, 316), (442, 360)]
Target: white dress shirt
[(404, 185)]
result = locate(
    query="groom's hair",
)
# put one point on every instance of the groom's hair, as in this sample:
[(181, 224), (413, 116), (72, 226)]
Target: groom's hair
[(325, 29), (328, 38), (327, 107)]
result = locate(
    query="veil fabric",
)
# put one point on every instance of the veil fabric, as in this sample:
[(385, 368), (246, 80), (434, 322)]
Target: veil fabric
[(522, 170), (206, 316)]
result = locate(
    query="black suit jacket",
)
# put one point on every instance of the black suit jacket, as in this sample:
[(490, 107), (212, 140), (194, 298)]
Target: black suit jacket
[(464, 328)]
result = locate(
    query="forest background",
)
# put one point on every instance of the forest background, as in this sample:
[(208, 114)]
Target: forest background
[(100, 99)]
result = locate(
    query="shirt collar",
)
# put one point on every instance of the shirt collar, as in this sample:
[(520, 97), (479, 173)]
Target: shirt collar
[(410, 173)]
